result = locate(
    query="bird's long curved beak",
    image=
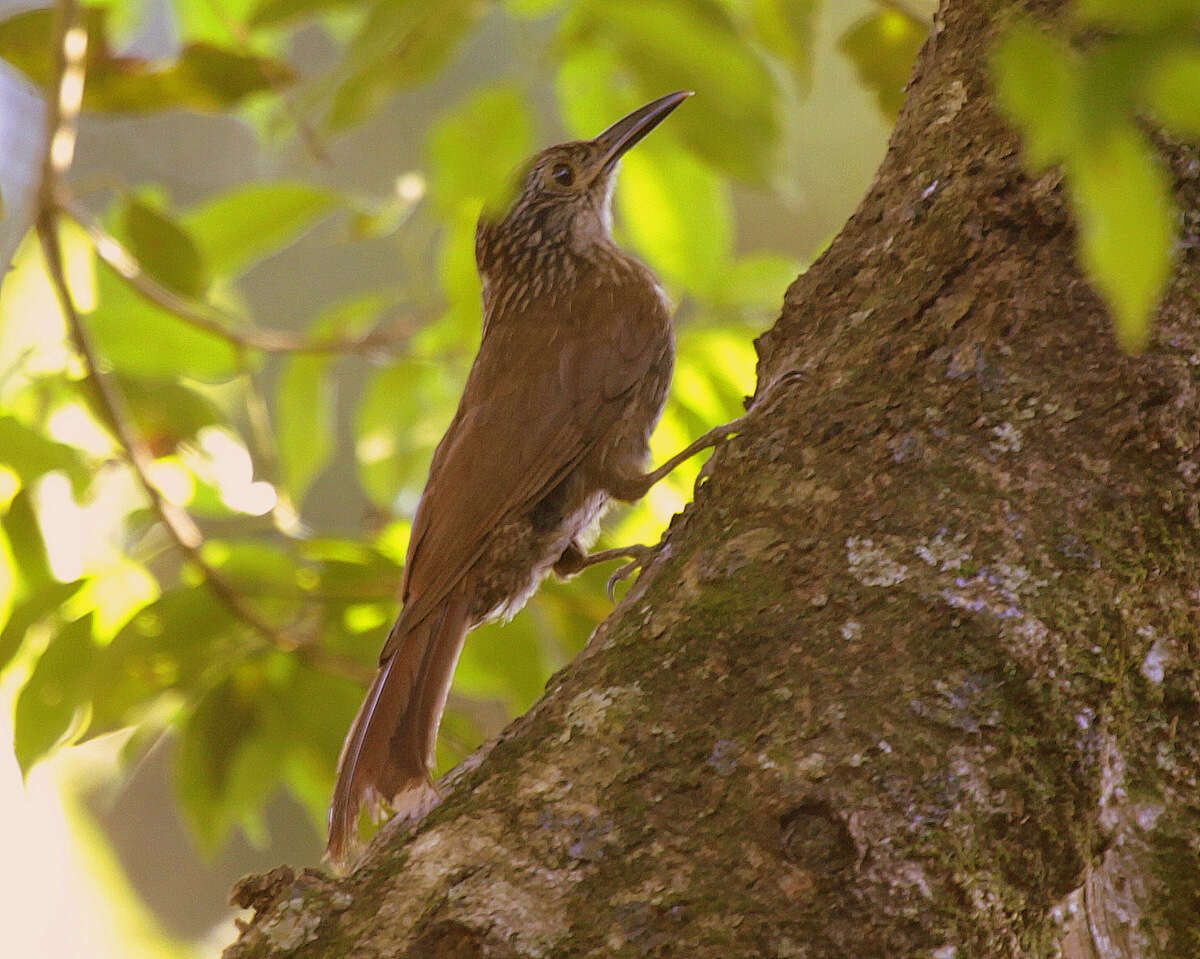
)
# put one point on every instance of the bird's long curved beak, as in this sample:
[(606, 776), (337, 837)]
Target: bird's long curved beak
[(631, 129)]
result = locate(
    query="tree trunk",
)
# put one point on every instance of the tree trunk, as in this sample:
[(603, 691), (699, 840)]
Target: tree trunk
[(916, 674)]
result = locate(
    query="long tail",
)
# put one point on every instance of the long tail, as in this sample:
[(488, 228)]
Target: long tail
[(390, 747)]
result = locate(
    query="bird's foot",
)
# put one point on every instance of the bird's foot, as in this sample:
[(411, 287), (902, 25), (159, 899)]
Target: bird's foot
[(638, 557), (641, 555), (633, 489)]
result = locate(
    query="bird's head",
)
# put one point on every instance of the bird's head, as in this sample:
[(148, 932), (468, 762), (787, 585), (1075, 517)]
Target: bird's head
[(563, 196)]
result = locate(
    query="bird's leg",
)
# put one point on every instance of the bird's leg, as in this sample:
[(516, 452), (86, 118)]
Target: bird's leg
[(574, 560), (634, 488)]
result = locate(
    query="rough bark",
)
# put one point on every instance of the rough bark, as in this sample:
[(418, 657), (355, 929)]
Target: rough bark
[(916, 674)]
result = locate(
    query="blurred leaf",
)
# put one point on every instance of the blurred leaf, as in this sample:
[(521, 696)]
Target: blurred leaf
[(461, 287), (1174, 91), (203, 77), (167, 412), (1038, 86), (666, 45), (588, 86), (532, 9), (497, 116), (1123, 207), (212, 741), (245, 224), (164, 250), (785, 27), (400, 42), (270, 12), (758, 281), (678, 213), (315, 735), (222, 22), (24, 535), (174, 645), (304, 397), (1111, 79), (882, 46), (57, 687), (254, 567), (1142, 15), (31, 610), (141, 338), (30, 455), (404, 410), (503, 661)]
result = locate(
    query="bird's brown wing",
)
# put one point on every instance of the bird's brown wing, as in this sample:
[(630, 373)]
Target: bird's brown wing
[(545, 387)]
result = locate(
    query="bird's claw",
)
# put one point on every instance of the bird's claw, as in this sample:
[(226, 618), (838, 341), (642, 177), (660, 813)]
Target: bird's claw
[(640, 557)]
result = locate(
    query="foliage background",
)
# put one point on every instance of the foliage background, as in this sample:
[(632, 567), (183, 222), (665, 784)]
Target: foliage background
[(269, 233)]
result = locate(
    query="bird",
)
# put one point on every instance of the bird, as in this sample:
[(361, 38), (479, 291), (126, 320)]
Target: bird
[(573, 369)]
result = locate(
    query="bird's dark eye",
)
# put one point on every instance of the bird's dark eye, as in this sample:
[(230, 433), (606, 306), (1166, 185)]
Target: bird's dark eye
[(562, 174)]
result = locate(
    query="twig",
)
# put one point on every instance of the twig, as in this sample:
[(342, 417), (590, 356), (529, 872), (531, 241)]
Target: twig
[(61, 119), (215, 321)]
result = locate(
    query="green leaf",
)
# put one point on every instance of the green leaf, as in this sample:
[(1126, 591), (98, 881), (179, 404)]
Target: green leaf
[(758, 281), (1174, 91), (167, 412), (305, 418), (30, 455), (31, 610), (1038, 86), (315, 735), (140, 338), (882, 46), (242, 226), (176, 645), (532, 9), (655, 46), (1140, 15), (211, 744), (1112, 76), (399, 43), (505, 662), (786, 28), (304, 399), (679, 214), (272, 12), (460, 285), (393, 458), (57, 687), (24, 534), (463, 173), (1123, 208), (254, 567), (164, 250), (204, 77), (219, 23)]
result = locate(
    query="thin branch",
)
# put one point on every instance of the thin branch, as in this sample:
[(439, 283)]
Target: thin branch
[(61, 121), (216, 321)]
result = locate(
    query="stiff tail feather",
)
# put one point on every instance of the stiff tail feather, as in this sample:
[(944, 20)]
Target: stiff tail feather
[(390, 748)]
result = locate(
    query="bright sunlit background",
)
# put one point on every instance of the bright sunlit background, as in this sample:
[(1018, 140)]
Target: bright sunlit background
[(315, 167)]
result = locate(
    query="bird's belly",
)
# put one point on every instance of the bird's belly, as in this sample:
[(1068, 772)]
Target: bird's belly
[(519, 553)]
